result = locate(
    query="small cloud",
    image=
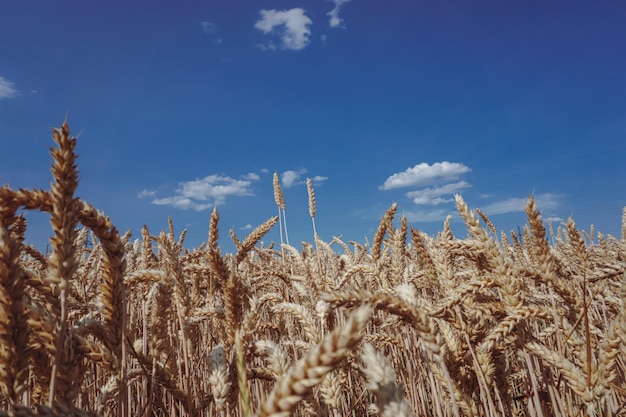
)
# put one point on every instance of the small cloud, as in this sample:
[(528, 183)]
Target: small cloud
[(335, 20), (318, 179), (292, 25), (6, 89), (146, 193), (207, 27), (210, 29), (515, 204), (246, 227), (425, 174), (433, 196), (205, 193), (269, 46), (251, 176), (181, 202), (427, 216), (290, 178), (555, 219), (293, 177)]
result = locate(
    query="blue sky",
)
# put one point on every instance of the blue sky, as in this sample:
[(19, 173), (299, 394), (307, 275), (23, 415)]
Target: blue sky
[(181, 106)]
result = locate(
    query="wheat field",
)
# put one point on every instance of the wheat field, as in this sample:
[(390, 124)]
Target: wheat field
[(493, 324)]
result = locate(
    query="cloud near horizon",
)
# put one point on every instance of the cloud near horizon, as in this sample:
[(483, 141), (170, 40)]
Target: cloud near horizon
[(426, 216), (206, 193), (545, 201), (443, 179), (291, 24), (433, 196), (6, 89)]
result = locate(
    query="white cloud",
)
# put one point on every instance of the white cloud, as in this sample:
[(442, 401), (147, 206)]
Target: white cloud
[(6, 89), (293, 177), (269, 46), (251, 176), (292, 24), (426, 216), (146, 193), (515, 204), (210, 29), (290, 178), (555, 219), (425, 174), (246, 227), (433, 196), (207, 27), (335, 20), (318, 179), (205, 193), (181, 202)]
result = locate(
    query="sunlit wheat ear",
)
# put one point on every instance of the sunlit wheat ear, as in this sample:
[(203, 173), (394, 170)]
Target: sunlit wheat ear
[(253, 238), (62, 263), (312, 368), (382, 382), (424, 260), (398, 254), (544, 258), (279, 198), (379, 236), (312, 206), (487, 221), (219, 379)]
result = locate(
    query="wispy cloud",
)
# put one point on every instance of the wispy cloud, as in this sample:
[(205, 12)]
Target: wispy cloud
[(292, 25), (146, 193), (424, 174), (335, 20), (210, 29), (555, 219), (318, 179), (207, 27), (182, 203), (427, 216), (290, 178), (545, 201), (251, 176), (205, 193), (434, 196), (6, 89)]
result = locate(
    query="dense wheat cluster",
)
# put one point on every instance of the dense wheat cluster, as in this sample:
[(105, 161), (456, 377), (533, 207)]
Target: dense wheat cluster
[(491, 324)]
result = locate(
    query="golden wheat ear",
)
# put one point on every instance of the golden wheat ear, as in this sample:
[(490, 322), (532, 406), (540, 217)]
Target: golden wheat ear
[(311, 369)]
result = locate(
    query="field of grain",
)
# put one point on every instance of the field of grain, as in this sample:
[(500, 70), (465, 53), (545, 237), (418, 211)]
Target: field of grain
[(491, 324)]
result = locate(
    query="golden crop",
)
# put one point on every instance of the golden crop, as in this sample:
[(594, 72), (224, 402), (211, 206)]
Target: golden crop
[(488, 325)]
